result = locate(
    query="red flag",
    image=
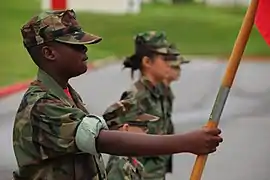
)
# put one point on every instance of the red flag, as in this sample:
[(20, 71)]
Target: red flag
[(262, 19), (58, 4)]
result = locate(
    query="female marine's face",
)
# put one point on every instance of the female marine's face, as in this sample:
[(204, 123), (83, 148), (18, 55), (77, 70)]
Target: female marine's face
[(158, 67)]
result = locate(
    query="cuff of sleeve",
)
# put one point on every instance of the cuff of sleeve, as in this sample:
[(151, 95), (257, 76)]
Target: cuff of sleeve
[(87, 132)]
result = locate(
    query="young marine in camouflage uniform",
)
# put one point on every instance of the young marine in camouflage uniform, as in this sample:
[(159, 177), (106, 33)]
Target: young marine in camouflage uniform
[(153, 57), (122, 167), (54, 135), (174, 75)]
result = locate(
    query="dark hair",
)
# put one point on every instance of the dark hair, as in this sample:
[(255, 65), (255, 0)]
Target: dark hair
[(134, 62)]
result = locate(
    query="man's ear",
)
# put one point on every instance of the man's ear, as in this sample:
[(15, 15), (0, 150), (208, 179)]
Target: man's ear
[(125, 127), (49, 53)]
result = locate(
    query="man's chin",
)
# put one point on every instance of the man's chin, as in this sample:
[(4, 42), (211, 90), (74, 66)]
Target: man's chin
[(81, 72), (84, 70)]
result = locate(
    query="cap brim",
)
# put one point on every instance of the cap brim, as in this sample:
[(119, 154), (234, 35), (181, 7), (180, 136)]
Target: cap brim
[(147, 117), (183, 60), (166, 51), (79, 38), (178, 62)]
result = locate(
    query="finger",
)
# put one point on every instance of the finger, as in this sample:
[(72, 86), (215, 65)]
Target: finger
[(213, 142), (213, 131), (218, 139), (213, 145), (215, 139)]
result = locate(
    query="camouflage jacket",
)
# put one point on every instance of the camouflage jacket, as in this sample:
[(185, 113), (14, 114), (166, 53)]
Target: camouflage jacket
[(43, 135), (124, 168), (151, 100)]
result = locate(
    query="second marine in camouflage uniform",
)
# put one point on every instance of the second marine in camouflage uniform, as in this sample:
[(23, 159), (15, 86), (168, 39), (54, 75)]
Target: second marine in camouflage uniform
[(152, 100)]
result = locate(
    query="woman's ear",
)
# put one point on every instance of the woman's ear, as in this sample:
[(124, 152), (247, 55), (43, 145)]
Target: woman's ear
[(146, 62)]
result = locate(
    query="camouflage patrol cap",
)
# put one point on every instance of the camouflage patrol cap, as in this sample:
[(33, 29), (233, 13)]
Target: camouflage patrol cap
[(60, 26), (176, 60), (155, 41), (126, 111)]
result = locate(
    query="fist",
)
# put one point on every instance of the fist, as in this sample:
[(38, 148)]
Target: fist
[(204, 141)]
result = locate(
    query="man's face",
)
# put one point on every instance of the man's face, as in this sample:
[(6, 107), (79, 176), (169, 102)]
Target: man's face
[(70, 59)]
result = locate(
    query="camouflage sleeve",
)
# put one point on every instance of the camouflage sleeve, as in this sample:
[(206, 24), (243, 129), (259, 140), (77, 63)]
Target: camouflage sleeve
[(118, 171), (55, 127)]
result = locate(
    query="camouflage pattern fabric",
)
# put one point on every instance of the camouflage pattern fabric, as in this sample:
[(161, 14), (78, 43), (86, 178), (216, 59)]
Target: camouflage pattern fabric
[(150, 100), (60, 26), (127, 111), (124, 168), (155, 41), (43, 135), (168, 103)]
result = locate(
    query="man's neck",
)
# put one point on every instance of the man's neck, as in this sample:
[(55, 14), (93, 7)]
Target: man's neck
[(62, 81)]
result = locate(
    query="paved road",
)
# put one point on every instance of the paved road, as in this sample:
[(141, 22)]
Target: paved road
[(245, 121)]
